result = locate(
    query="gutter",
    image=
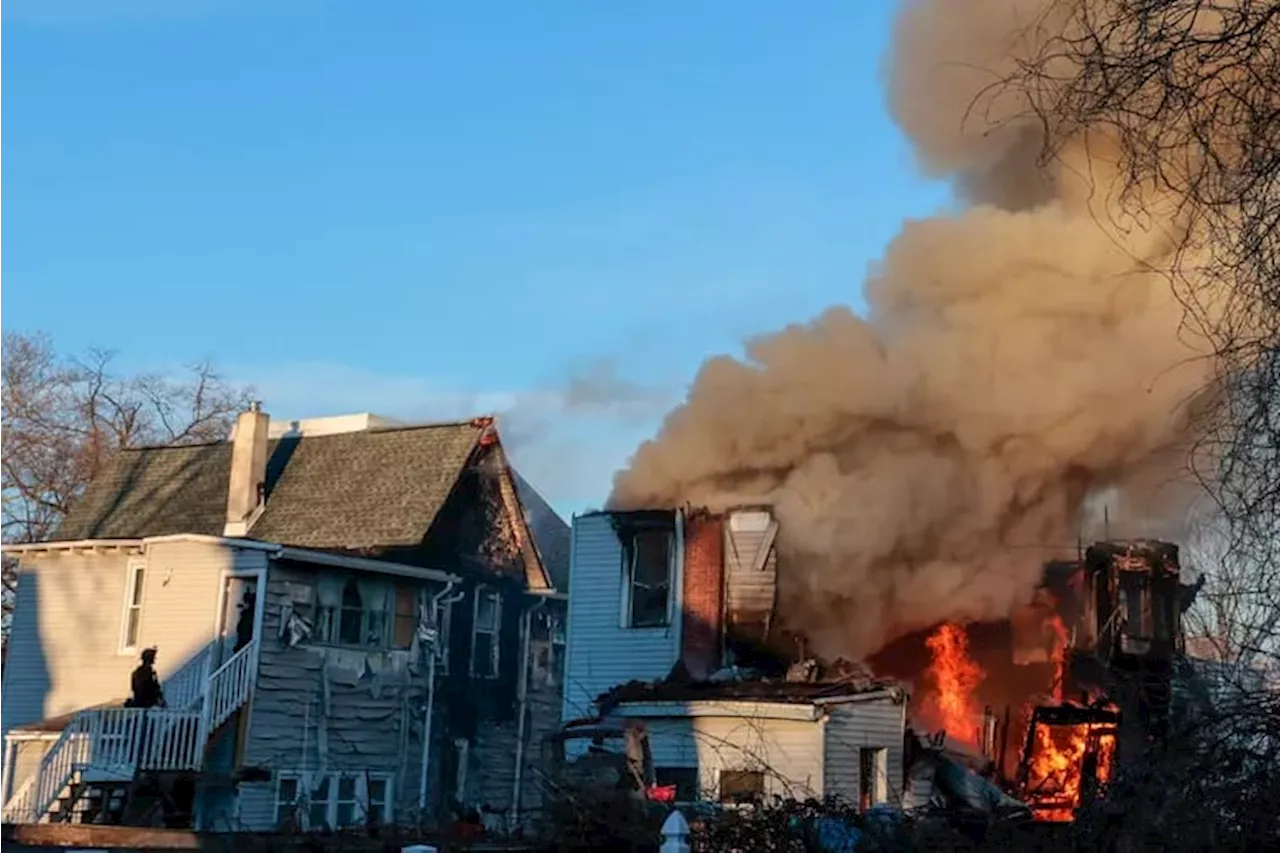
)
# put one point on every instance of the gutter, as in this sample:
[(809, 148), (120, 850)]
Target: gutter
[(363, 564), (522, 701), (274, 551), (428, 713)]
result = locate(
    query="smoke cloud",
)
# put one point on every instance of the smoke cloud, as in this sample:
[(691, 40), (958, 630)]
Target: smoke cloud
[(1016, 358)]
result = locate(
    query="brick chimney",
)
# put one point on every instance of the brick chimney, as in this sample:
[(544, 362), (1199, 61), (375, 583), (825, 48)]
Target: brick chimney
[(248, 474), (701, 641)]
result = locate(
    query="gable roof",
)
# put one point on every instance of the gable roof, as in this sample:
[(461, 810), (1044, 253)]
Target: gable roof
[(374, 488), (550, 532)]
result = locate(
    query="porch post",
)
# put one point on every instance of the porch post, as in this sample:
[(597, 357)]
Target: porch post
[(9, 756)]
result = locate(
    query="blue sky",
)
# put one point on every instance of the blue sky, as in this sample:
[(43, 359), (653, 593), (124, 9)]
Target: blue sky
[(427, 209)]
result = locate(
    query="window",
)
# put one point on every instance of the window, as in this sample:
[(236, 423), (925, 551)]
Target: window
[(134, 587), (649, 561), (741, 786), (683, 779), (484, 633), (355, 612), (547, 649), (873, 774), (286, 799), (336, 800), (406, 617), (376, 802)]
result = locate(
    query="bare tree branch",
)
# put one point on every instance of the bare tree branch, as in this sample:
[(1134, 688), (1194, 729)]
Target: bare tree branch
[(64, 418)]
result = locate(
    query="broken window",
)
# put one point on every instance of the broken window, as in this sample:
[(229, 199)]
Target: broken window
[(649, 578), (484, 633), (360, 612), (351, 616), (741, 786)]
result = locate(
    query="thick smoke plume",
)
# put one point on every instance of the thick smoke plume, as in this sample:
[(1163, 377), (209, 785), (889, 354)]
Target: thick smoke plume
[(1015, 358)]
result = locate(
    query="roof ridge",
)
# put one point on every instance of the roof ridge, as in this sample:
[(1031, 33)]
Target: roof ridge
[(186, 445), (479, 422)]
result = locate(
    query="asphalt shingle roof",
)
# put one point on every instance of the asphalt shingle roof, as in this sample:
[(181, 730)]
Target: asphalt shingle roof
[(369, 489)]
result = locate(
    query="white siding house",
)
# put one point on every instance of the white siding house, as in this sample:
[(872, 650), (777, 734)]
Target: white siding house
[(311, 589), (603, 649), (848, 747)]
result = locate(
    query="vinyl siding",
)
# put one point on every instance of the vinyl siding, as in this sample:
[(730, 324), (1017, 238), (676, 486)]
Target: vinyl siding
[(318, 707), (852, 726), (601, 653), (788, 751), (68, 616)]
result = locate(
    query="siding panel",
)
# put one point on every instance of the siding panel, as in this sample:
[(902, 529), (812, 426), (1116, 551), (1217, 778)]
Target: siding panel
[(601, 652), (788, 751), (66, 626), (317, 707), (856, 725)]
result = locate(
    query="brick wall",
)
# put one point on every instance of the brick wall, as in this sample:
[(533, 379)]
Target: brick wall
[(700, 648)]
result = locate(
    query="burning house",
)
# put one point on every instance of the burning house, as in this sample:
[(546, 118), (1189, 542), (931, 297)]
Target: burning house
[(672, 624), (1073, 685)]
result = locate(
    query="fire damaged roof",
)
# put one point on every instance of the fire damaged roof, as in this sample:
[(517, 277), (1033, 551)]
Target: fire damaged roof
[(759, 690)]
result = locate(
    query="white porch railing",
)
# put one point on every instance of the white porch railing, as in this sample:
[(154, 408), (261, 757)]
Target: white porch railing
[(114, 743), (184, 689), (229, 686)]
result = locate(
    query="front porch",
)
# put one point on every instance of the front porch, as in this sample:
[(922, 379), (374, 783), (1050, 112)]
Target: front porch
[(97, 765)]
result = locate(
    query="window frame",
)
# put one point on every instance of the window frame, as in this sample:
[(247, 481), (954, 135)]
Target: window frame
[(483, 591), (328, 620), (630, 556), (747, 797), (360, 802), (414, 596), (135, 587), (879, 775)]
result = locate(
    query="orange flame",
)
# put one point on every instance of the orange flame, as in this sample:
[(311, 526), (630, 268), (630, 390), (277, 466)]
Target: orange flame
[(956, 676), (1056, 769)]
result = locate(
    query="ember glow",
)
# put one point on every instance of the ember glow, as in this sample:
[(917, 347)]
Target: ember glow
[(1058, 766), (955, 677)]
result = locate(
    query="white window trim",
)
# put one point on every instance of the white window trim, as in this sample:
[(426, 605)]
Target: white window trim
[(879, 773), (134, 565), (307, 781), (629, 586), (495, 647)]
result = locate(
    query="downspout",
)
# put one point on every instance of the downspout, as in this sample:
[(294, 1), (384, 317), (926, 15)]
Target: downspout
[(522, 695), (429, 713)]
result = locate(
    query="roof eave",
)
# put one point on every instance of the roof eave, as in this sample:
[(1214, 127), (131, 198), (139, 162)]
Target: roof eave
[(363, 564)]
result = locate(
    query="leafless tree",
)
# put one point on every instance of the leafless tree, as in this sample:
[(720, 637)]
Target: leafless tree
[(1183, 99), (64, 417)]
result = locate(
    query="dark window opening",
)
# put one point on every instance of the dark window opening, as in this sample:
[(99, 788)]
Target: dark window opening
[(685, 780), (650, 578), (351, 618), (741, 786)]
